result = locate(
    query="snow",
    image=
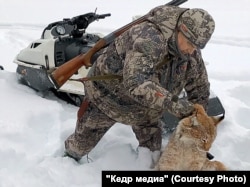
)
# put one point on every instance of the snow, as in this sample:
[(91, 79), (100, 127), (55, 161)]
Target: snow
[(34, 126)]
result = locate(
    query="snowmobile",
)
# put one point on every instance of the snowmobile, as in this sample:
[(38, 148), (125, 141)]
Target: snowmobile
[(60, 41)]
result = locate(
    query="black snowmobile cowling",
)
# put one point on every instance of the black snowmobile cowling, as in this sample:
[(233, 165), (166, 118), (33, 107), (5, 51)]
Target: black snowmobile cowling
[(60, 41)]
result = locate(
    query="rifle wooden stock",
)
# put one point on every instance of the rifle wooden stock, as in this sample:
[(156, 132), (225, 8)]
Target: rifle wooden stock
[(65, 71)]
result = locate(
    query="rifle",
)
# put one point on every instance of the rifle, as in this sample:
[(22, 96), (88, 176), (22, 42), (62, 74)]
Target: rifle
[(59, 76)]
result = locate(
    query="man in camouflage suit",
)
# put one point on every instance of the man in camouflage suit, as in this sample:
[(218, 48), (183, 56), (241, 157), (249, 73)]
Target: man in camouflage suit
[(151, 63)]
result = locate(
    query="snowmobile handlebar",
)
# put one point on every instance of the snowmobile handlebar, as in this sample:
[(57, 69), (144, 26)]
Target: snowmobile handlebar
[(72, 26), (83, 21), (63, 73), (102, 16)]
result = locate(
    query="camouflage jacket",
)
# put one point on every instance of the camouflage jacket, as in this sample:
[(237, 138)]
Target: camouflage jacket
[(145, 91)]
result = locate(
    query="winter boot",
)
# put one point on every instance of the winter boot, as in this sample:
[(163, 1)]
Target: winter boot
[(70, 156)]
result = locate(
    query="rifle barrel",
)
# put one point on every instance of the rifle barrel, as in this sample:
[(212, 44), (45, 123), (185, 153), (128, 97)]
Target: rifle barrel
[(176, 2)]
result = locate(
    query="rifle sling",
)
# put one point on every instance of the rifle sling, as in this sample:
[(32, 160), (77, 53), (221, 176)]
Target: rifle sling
[(98, 78), (112, 76)]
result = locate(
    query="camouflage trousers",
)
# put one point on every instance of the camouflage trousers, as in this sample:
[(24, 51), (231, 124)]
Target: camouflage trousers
[(92, 126)]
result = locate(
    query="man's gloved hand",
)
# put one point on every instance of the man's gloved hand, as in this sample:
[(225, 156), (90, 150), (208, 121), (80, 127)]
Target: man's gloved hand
[(186, 108), (181, 108)]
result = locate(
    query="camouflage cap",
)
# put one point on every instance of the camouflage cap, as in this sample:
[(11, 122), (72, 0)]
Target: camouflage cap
[(200, 26)]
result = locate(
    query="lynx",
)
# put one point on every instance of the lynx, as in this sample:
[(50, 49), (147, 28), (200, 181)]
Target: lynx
[(189, 144)]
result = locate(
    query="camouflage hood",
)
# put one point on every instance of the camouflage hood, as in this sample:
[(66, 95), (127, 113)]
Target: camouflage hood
[(200, 26), (165, 18)]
